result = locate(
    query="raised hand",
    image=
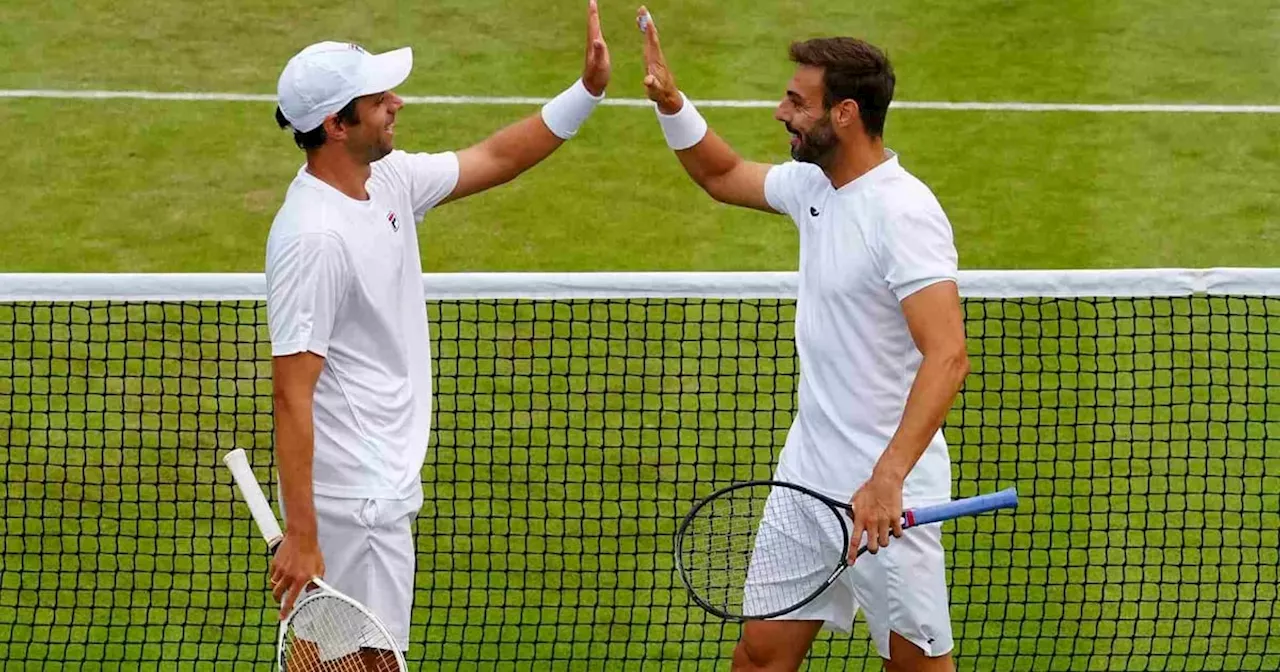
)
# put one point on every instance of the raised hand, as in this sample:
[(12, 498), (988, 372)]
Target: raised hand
[(596, 70), (659, 83)]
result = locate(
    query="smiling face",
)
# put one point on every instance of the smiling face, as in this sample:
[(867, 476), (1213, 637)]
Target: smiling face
[(369, 132), (804, 114), (372, 135), (839, 96)]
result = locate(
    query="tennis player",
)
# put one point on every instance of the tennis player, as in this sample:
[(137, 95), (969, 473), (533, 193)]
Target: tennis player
[(347, 314), (880, 338)]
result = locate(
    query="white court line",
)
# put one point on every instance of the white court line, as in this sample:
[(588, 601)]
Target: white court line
[(637, 102)]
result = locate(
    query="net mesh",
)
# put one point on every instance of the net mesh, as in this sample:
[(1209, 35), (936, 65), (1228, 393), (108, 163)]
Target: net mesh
[(570, 437)]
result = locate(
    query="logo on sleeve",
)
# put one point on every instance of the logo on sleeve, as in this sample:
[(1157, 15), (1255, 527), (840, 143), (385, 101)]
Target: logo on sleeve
[(813, 212), (391, 217)]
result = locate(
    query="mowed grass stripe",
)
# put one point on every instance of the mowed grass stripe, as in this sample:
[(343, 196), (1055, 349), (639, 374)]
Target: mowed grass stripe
[(168, 192)]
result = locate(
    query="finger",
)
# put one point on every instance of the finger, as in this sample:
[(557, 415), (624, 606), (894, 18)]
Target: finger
[(593, 21), (599, 51), (855, 539), (884, 533), (290, 598), (897, 527), (652, 45), (279, 587), (873, 536)]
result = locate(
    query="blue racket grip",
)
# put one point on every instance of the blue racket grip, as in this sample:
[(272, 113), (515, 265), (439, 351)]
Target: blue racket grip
[(1004, 499)]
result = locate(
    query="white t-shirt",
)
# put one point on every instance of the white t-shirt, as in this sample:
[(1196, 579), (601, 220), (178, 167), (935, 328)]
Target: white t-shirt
[(344, 280), (863, 249)]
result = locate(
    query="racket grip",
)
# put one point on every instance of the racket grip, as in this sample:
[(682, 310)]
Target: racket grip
[(1004, 499), (238, 463)]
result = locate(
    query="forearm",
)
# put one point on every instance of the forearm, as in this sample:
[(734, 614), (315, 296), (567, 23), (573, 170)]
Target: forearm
[(934, 390), (506, 154), (710, 159), (704, 155), (519, 147), (295, 449)]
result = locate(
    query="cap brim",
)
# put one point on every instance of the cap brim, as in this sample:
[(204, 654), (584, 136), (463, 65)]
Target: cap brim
[(386, 71)]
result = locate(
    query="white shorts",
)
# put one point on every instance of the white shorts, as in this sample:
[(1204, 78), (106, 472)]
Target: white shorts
[(902, 588), (369, 555)]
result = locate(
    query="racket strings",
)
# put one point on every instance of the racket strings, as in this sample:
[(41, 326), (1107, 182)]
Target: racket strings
[(759, 550), (328, 634)]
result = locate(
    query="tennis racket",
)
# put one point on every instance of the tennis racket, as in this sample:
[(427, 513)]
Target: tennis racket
[(326, 630), (749, 551)]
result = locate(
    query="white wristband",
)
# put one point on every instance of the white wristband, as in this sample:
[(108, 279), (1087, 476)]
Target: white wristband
[(683, 129), (566, 112)]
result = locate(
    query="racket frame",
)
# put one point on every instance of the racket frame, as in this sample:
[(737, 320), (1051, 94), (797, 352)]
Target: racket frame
[(937, 513), (238, 462)]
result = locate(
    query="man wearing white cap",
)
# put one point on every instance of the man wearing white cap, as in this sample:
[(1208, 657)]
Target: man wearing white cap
[(347, 314)]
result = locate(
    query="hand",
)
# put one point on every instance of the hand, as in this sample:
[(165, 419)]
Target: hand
[(596, 70), (877, 510), (659, 84), (297, 561)]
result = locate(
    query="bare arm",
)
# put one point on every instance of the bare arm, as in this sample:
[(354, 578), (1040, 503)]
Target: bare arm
[(503, 156), (506, 154), (712, 163), (298, 559), (937, 327)]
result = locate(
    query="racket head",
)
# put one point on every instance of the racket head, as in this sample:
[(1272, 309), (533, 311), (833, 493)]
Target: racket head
[(330, 631), (761, 549)]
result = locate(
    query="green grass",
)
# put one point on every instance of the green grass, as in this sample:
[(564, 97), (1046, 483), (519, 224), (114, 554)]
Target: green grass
[(149, 186), (194, 187), (1143, 446), (1091, 50)]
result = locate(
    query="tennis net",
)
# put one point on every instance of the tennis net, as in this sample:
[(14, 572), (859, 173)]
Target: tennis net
[(578, 416)]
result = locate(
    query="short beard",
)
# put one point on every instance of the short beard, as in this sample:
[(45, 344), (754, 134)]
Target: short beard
[(817, 145), (370, 153)]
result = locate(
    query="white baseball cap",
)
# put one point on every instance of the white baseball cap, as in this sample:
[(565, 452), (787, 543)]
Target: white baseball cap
[(321, 79)]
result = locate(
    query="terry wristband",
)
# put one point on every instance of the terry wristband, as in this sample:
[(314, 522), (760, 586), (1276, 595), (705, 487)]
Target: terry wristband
[(566, 112), (683, 129)]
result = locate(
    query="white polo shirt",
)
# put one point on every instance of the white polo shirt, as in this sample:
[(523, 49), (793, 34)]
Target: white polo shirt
[(863, 249), (344, 281)]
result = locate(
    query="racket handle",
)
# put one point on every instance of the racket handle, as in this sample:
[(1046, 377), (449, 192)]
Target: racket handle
[(1004, 499), (238, 463)]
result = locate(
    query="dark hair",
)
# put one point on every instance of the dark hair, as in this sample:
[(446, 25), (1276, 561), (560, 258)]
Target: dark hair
[(315, 138), (852, 70)]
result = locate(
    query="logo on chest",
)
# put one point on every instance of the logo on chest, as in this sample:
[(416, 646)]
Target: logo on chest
[(391, 217)]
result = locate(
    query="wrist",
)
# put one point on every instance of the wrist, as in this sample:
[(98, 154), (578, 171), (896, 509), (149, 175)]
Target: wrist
[(565, 113), (671, 105), (301, 530), (890, 470), (685, 127)]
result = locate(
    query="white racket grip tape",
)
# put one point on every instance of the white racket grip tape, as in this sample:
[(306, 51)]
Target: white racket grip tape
[(238, 463)]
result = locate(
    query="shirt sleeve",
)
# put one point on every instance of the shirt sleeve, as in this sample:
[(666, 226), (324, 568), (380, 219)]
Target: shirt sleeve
[(917, 250), (782, 187), (430, 178), (307, 279)]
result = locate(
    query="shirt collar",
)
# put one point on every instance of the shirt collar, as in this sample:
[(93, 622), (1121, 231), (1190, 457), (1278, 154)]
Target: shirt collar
[(884, 169)]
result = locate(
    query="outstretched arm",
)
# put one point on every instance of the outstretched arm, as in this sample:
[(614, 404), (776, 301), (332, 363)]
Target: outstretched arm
[(708, 159), (506, 154)]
